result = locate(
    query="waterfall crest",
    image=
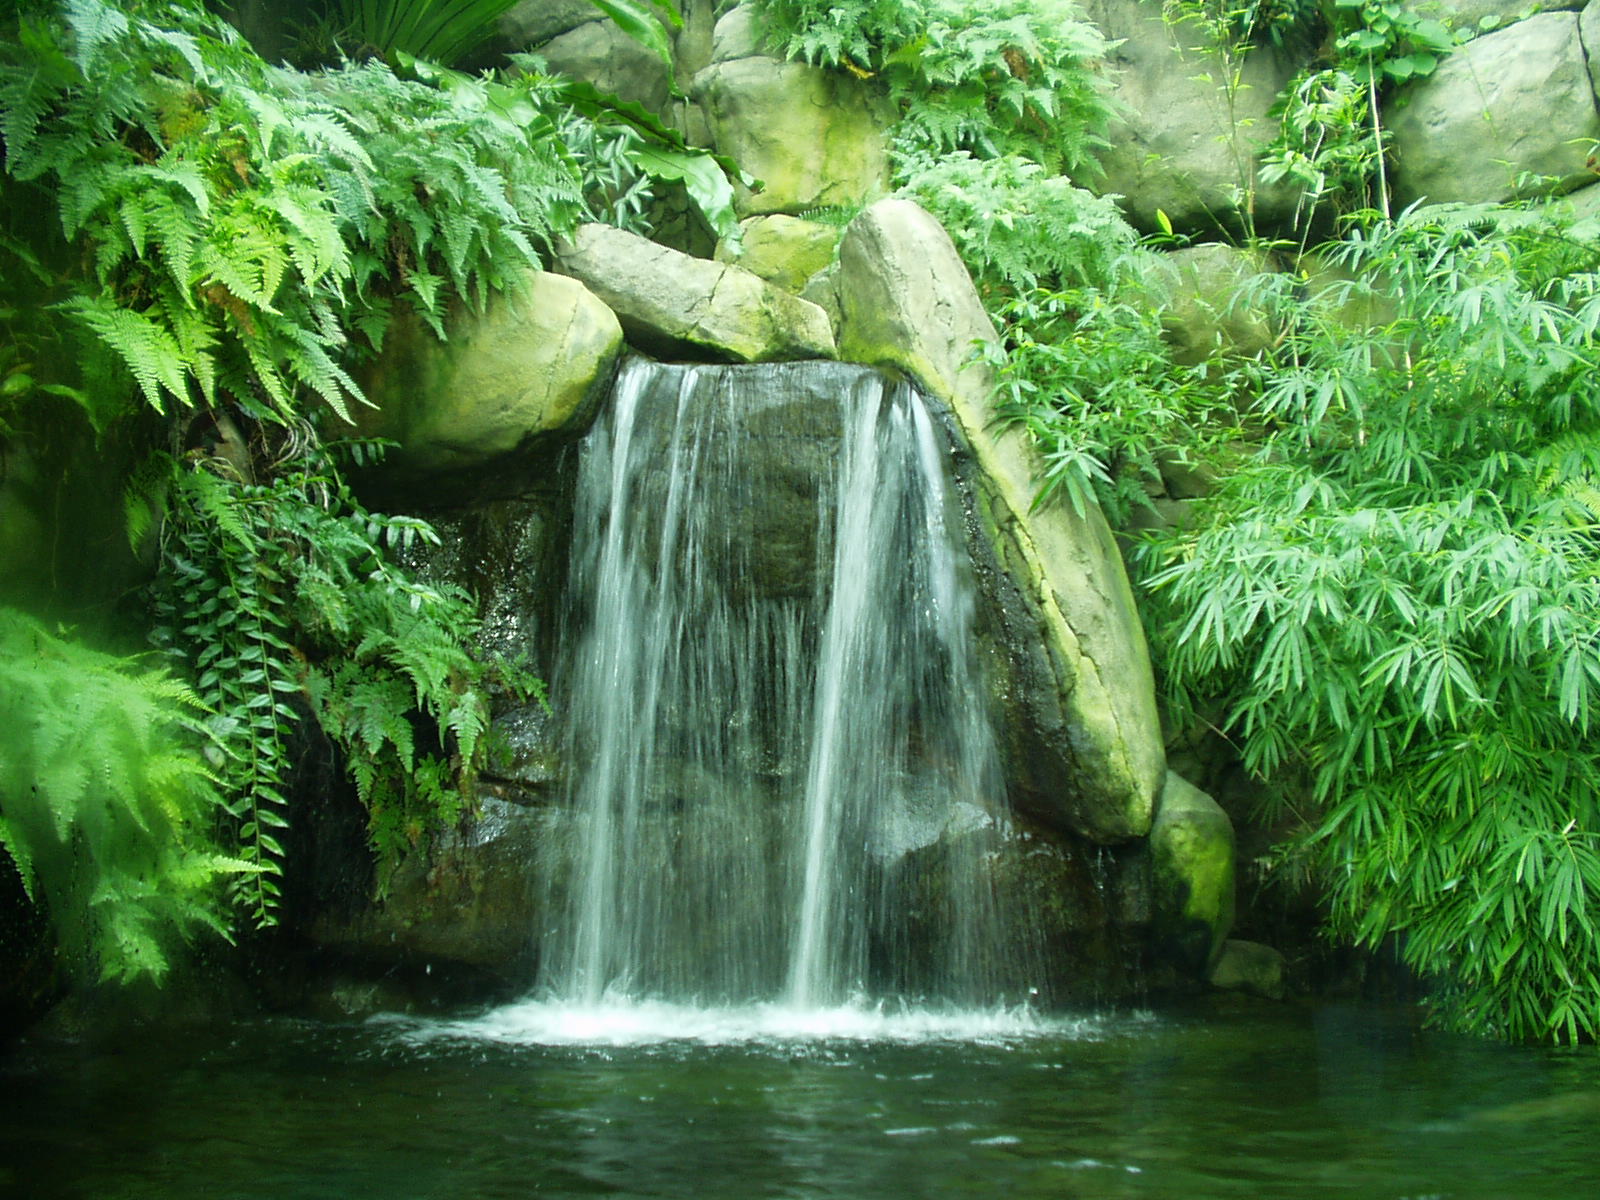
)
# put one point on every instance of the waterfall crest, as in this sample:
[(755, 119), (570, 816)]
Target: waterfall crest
[(786, 788)]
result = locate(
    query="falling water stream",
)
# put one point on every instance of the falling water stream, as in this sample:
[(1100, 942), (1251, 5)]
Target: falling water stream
[(786, 785)]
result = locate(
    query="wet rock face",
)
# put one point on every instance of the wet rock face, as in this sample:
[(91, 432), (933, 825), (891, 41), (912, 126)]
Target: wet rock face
[(1084, 742), (465, 903)]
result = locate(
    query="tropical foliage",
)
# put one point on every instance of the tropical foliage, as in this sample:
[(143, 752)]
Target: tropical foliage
[(1396, 605), (991, 77), (232, 238), (107, 805)]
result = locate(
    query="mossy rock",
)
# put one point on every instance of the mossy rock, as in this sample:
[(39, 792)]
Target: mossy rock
[(1192, 859)]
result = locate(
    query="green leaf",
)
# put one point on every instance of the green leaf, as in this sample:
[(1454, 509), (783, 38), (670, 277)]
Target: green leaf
[(642, 25), (701, 176)]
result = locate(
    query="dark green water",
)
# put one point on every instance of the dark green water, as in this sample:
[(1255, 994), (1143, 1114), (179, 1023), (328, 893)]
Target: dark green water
[(1278, 1102)]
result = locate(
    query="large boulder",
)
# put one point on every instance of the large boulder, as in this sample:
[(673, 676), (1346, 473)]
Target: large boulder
[(1186, 144), (1205, 311), (1089, 754), (532, 367), (534, 22), (1191, 851), (785, 251), (1470, 17), (1515, 102), (814, 138), (672, 304), (737, 36), (599, 52)]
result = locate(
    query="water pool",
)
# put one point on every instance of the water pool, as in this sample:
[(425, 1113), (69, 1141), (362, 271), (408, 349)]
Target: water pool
[(530, 1101)]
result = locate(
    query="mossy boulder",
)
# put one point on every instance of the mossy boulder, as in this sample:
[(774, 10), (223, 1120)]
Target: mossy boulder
[(785, 251), (1248, 967), (1183, 144), (600, 53), (814, 138), (531, 367), (674, 305), (1205, 311), (1192, 874), (1088, 754)]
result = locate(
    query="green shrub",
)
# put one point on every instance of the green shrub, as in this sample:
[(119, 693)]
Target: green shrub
[(284, 595), (106, 804), (1002, 77), (234, 236), (1398, 607)]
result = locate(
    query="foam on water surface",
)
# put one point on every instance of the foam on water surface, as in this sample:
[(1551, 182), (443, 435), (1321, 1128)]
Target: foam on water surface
[(644, 1023)]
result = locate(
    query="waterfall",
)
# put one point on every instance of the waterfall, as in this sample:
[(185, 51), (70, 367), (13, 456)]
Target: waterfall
[(785, 784)]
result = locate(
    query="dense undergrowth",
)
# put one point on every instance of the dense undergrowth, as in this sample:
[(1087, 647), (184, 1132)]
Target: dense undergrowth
[(220, 242)]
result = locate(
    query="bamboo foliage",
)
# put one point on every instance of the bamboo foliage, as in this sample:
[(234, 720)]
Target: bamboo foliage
[(1397, 605)]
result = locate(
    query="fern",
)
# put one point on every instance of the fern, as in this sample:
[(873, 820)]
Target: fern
[(1001, 77), (105, 806), (284, 208), (286, 598), (1019, 226)]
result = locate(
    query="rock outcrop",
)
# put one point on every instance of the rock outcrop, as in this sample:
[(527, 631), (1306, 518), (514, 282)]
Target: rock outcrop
[(1090, 748), (1187, 142), (813, 137), (1507, 114), (1204, 311), (785, 251), (672, 304), (532, 366)]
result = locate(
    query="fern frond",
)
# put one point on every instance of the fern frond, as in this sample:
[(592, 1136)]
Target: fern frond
[(145, 347)]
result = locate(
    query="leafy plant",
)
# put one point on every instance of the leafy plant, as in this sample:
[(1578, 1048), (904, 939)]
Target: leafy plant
[(1331, 138), (1017, 224), (285, 596), (106, 804), (447, 31), (1396, 606), (1087, 376), (245, 221), (440, 32), (1081, 365), (1007, 77), (244, 233)]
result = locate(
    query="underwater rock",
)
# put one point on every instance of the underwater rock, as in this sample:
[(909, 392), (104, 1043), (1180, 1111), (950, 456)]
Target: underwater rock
[(1248, 967)]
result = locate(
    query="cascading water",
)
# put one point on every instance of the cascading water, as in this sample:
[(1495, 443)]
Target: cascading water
[(787, 788)]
